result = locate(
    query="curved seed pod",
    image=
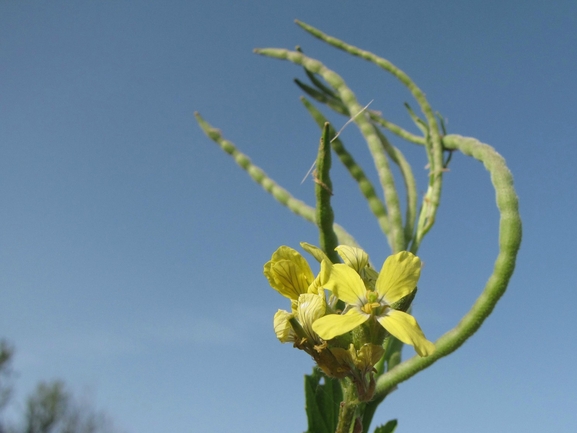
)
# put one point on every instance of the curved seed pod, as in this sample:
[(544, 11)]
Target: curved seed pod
[(509, 242)]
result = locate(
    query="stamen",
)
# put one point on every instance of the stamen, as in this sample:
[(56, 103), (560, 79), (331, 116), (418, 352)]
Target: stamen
[(369, 307)]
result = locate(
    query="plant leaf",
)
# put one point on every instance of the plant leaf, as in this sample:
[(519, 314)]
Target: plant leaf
[(389, 427), (323, 398)]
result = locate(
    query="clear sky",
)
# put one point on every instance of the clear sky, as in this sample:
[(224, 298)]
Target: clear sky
[(131, 247)]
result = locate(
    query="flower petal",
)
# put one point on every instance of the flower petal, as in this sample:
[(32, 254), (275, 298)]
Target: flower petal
[(353, 257), (332, 325), (287, 253), (290, 281), (405, 328), (399, 276), (293, 277), (314, 251), (282, 327), (322, 278), (311, 307), (346, 284)]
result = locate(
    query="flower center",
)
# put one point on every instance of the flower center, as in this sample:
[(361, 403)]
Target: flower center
[(372, 303)]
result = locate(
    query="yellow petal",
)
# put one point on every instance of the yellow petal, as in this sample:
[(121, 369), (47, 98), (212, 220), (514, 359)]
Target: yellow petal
[(346, 284), (282, 326), (353, 257), (314, 251), (288, 272), (284, 253), (399, 276), (405, 328), (287, 253), (332, 325), (311, 307), (322, 278), (288, 280), (267, 271)]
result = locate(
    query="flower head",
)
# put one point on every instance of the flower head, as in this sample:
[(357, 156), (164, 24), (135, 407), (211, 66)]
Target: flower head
[(397, 279), (308, 308), (288, 273)]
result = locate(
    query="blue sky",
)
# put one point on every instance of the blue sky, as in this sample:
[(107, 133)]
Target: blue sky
[(131, 247)]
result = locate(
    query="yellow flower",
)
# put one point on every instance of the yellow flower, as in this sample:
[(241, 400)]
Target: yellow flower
[(397, 279), (282, 327), (309, 307), (353, 257), (288, 273), (358, 260)]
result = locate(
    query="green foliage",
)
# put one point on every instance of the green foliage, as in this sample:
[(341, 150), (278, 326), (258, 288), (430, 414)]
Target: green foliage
[(323, 397), (389, 427), (46, 408)]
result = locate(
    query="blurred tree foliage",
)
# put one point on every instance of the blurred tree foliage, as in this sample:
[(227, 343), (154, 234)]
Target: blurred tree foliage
[(51, 408), (6, 352)]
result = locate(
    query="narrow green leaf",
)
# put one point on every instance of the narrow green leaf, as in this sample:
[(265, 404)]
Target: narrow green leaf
[(332, 102), (312, 92), (323, 397), (389, 427)]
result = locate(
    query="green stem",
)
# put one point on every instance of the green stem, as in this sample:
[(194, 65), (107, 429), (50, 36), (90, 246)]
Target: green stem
[(348, 408), (391, 359), (509, 242), (269, 185), (395, 129)]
